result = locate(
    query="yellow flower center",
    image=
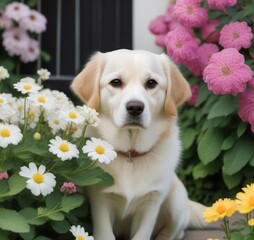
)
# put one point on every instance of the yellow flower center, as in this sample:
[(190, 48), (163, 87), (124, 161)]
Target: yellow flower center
[(64, 147), (38, 177), (225, 70), (80, 237), (72, 115), (27, 87), (251, 201), (41, 99), (1, 100), (5, 132), (221, 209), (100, 149), (56, 121)]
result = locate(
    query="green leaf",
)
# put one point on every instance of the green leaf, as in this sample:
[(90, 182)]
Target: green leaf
[(53, 200), (61, 227), (223, 107), (200, 171), (188, 137), (3, 3), (232, 181), (53, 214), (31, 216), (241, 129), (70, 202), (45, 56), (244, 13), (209, 146), (16, 185), (90, 177), (229, 142), (238, 156), (4, 235), (11, 220)]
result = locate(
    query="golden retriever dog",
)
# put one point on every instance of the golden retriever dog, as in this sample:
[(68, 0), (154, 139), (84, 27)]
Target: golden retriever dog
[(137, 94)]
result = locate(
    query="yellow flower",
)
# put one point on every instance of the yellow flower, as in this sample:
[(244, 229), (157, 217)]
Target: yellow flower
[(251, 222), (220, 209), (245, 199), (213, 239)]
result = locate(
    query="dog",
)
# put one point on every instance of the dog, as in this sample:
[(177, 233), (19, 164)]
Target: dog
[(137, 94)]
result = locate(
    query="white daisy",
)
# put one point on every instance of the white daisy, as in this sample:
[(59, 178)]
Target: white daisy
[(91, 116), (43, 74), (63, 149), (98, 149), (44, 100), (3, 73), (55, 122), (73, 115), (9, 134), (39, 182), (79, 233), (26, 85)]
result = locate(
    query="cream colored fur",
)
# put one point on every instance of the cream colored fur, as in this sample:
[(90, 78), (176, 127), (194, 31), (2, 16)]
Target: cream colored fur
[(147, 200)]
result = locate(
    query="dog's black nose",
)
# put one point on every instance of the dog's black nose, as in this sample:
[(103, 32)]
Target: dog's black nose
[(135, 108)]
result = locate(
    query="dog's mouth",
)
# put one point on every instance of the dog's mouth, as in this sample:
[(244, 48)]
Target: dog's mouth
[(134, 122)]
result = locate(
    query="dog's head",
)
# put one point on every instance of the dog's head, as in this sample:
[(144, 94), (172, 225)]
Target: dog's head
[(133, 87)]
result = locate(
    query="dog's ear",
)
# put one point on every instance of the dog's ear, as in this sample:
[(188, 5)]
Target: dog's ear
[(178, 90), (86, 83)]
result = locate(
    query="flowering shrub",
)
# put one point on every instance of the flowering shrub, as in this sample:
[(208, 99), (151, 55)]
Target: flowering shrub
[(45, 161), (212, 41), (225, 208), (20, 28)]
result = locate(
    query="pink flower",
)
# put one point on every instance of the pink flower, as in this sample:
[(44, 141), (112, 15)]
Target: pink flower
[(226, 72), (68, 188), (236, 35), (15, 41), (221, 4), (194, 67), (160, 40), (5, 22), (209, 32), (251, 83), (16, 11), (205, 52), (4, 175), (194, 97), (31, 53), (181, 46), (246, 107), (190, 14), (158, 26), (34, 22)]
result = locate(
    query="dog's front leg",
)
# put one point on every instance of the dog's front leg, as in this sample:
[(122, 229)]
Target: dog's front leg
[(145, 217), (103, 218)]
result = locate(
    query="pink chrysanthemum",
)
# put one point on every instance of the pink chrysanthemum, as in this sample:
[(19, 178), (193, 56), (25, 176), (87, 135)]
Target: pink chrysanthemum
[(181, 46), (251, 83), (205, 52), (236, 35), (221, 4), (31, 53), (246, 107), (4, 175), (17, 11), (209, 32), (190, 14), (194, 67), (34, 22), (5, 22), (194, 95), (15, 41), (226, 72), (160, 40), (158, 26), (68, 188)]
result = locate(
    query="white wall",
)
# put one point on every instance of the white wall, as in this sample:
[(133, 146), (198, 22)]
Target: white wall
[(143, 12)]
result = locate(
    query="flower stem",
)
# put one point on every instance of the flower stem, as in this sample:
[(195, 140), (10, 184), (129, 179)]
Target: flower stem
[(226, 228)]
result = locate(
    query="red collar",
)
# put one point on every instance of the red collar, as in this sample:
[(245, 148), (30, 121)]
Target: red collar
[(132, 154)]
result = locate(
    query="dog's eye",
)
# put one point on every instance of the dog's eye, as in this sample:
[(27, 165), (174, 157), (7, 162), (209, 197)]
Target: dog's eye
[(151, 83), (116, 83)]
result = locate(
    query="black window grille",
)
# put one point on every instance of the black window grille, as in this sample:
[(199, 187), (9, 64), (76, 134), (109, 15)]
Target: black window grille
[(76, 29)]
